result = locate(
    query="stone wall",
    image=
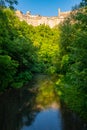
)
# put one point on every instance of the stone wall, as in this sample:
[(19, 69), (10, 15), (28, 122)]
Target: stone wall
[(36, 20)]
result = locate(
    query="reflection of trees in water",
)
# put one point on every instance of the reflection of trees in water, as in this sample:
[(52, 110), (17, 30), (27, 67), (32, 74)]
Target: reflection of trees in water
[(46, 94), (71, 121), (16, 109)]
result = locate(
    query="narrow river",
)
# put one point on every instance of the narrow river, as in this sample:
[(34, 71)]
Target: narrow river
[(36, 107)]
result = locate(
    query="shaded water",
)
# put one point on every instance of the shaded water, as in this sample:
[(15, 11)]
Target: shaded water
[(36, 109)]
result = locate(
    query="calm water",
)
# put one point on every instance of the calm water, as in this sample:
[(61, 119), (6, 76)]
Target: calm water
[(49, 119), (37, 109)]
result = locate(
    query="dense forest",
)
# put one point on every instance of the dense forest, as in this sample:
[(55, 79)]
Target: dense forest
[(26, 50)]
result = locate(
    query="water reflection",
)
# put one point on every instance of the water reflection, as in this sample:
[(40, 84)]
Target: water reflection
[(12, 109), (49, 119), (35, 109)]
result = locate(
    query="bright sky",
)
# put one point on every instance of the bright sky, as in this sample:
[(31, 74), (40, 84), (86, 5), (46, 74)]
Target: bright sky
[(46, 7)]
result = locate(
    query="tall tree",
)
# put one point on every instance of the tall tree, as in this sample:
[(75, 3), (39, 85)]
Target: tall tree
[(8, 2), (83, 3), (73, 81)]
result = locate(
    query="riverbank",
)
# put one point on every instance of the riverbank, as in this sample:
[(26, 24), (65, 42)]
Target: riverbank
[(24, 108)]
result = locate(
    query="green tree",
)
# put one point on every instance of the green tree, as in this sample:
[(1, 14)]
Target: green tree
[(46, 41), (83, 3), (15, 43), (73, 54), (9, 2), (8, 69)]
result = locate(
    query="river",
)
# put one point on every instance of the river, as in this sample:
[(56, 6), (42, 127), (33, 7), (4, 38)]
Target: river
[(36, 107)]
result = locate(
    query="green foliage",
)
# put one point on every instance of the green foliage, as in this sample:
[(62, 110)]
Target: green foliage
[(73, 83), (34, 49), (46, 41), (8, 2), (26, 50), (15, 43), (83, 3), (7, 71)]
